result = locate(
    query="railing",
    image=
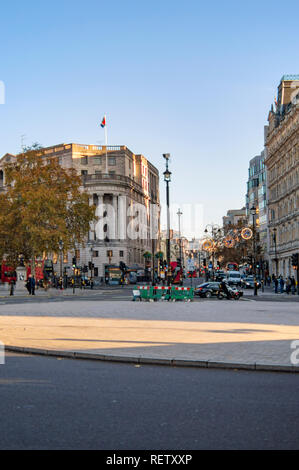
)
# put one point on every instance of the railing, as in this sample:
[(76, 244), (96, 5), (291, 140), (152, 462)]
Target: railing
[(111, 179)]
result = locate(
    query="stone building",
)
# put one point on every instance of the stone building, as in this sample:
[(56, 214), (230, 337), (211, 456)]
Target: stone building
[(125, 189), (256, 197), (282, 162), (234, 217)]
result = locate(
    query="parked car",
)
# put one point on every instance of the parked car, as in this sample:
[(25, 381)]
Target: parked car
[(248, 282), (207, 289)]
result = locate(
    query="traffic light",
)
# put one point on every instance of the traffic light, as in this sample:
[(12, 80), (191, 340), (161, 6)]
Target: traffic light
[(74, 262), (204, 262), (295, 260)]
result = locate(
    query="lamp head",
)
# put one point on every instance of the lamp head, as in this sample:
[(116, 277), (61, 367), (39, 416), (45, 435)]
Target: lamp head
[(167, 176)]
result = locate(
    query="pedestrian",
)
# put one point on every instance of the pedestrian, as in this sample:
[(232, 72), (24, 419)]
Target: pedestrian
[(276, 284), (12, 286), (162, 276), (32, 283), (281, 284), (28, 284), (293, 285), (288, 285)]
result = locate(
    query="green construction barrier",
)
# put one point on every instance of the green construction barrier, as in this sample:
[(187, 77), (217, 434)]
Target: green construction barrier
[(145, 293), (156, 293), (161, 293), (182, 293)]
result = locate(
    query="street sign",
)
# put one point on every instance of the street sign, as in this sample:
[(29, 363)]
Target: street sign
[(190, 264)]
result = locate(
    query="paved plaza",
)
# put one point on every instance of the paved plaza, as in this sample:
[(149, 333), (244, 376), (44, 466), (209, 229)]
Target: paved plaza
[(249, 334)]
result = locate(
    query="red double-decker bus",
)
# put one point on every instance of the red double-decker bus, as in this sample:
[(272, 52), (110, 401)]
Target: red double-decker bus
[(8, 273), (232, 267)]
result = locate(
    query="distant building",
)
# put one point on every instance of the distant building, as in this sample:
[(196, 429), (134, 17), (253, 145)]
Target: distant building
[(234, 217)]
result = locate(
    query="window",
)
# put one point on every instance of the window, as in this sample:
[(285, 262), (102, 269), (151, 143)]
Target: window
[(112, 161), (97, 160), (84, 160), (112, 173), (84, 172), (121, 254), (98, 172), (95, 254)]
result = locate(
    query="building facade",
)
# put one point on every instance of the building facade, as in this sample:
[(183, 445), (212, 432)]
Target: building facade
[(282, 162), (234, 217), (125, 189), (256, 197)]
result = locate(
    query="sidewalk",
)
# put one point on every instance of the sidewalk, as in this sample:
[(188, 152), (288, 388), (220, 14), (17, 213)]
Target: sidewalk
[(247, 335), (52, 292)]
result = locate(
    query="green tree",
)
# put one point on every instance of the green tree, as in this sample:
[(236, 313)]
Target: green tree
[(42, 205)]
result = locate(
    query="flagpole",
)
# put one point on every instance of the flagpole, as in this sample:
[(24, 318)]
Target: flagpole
[(106, 143)]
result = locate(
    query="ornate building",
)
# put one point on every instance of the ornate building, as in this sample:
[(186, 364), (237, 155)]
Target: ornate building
[(125, 189), (282, 162)]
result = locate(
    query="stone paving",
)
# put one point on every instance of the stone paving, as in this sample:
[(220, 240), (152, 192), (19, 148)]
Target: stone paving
[(225, 333)]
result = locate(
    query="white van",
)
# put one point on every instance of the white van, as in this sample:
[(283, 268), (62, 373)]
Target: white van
[(234, 278)]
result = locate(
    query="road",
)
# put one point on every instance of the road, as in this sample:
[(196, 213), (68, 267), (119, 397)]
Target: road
[(116, 293), (49, 403)]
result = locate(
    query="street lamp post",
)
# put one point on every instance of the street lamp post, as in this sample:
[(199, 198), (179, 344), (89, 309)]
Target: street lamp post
[(91, 265), (167, 179), (253, 213), (215, 230), (60, 249), (179, 214)]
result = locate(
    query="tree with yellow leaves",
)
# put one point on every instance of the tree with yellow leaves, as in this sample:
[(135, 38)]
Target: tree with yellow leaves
[(43, 205)]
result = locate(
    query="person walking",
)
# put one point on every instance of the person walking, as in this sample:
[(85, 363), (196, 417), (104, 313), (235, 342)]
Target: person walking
[(293, 285), (288, 285), (12, 286), (281, 284), (28, 284), (276, 284), (32, 285)]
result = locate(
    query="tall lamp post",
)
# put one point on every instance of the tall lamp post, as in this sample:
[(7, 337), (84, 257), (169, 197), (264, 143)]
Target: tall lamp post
[(215, 230), (179, 214), (167, 179), (253, 213), (60, 249)]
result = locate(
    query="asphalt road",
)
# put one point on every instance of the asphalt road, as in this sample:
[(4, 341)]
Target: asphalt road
[(117, 293), (49, 403)]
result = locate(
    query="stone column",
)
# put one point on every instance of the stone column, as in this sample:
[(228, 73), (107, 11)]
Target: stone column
[(115, 216)]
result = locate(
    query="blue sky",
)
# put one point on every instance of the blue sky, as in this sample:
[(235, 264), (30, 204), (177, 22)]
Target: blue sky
[(194, 79)]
